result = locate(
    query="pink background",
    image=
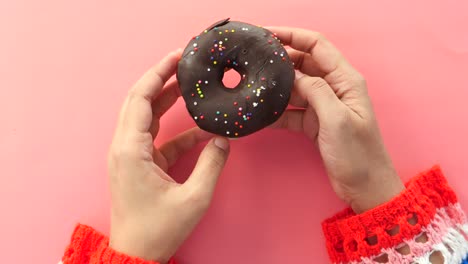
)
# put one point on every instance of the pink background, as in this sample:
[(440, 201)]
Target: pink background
[(65, 67)]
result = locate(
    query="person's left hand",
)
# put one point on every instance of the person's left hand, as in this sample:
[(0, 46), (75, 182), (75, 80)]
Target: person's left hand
[(152, 214)]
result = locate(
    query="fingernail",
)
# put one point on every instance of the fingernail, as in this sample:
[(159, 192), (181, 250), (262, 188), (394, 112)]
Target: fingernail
[(221, 143), (299, 74)]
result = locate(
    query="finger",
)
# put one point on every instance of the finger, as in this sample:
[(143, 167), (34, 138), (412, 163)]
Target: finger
[(152, 82), (296, 99), (319, 95), (299, 120), (322, 51), (138, 114), (163, 102), (176, 147), (209, 166), (305, 63), (291, 119), (338, 72)]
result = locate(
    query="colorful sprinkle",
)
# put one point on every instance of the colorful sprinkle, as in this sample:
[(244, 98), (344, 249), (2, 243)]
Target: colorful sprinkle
[(236, 123), (217, 112), (240, 126), (236, 134), (202, 117), (247, 97), (276, 113), (263, 78), (235, 103), (240, 108)]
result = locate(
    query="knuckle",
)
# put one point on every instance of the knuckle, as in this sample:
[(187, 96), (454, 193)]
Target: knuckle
[(198, 199), (314, 82), (360, 80), (216, 158), (320, 36)]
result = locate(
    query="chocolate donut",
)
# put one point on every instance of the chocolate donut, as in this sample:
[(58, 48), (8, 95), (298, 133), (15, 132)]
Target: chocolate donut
[(263, 92)]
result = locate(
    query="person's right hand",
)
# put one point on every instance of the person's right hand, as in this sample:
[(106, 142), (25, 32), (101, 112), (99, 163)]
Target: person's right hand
[(337, 113)]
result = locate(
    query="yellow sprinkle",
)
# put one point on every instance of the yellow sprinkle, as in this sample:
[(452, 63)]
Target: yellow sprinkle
[(220, 32), (248, 85), (261, 100), (197, 85), (227, 30), (233, 30), (201, 96), (206, 31), (225, 115), (215, 62), (199, 92)]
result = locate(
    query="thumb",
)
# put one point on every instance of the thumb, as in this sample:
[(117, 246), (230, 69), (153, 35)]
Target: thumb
[(318, 94), (209, 166)]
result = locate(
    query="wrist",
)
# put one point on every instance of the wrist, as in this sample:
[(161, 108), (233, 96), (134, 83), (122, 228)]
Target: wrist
[(137, 246), (381, 187)]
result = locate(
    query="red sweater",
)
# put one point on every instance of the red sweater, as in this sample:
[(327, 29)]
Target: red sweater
[(424, 219)]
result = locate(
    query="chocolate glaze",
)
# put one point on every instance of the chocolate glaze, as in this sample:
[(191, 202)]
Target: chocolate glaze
[(263, 92)]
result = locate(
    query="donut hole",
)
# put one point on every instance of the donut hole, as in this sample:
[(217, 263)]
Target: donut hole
[(231, 78)]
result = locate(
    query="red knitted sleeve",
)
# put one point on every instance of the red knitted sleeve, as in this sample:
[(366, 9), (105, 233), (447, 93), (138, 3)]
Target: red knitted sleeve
[(89, 246), (423, 219)]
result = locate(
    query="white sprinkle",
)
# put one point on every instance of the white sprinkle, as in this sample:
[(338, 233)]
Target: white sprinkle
[(227, 133), (240, 108), (220, 42), (282, 54), (271, 61), (195, 103), (263, 88), (246, 62), (216, 119), (273, 83), (243, 75), (195, 44), (252, 82), (192, 52), (206, 82), (225, 122), (208, 69), (281, 95), (255, 104), (195, 117), (276, 53)]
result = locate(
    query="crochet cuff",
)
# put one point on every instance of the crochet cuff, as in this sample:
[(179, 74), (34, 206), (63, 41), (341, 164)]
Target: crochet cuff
[(89, 246), (427, 200)]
